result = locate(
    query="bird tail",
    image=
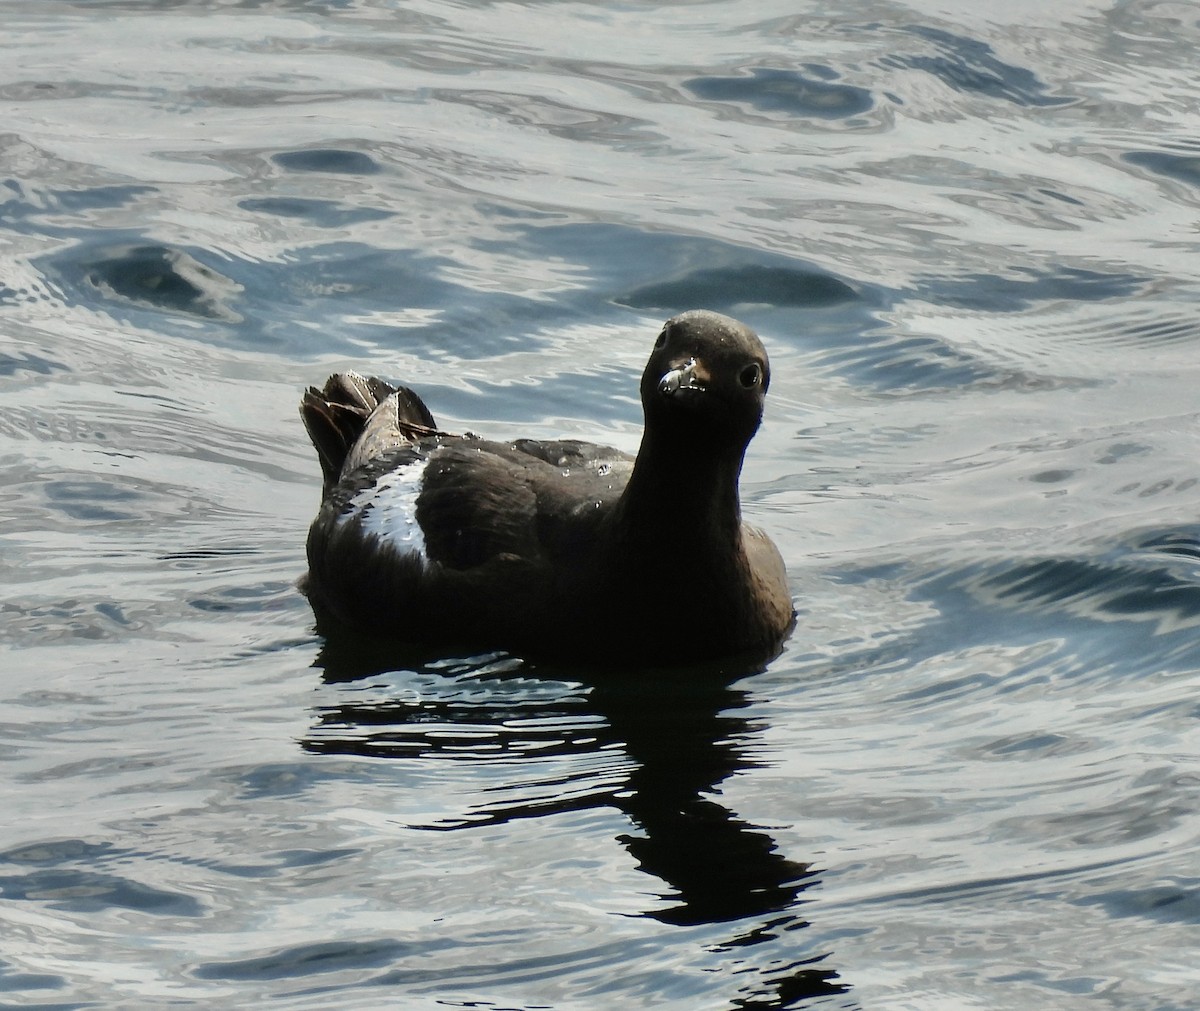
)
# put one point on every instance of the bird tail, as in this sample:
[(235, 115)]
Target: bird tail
[(336, 417)]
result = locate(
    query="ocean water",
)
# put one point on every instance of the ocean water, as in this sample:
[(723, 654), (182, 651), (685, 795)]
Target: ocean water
[(969, 237)]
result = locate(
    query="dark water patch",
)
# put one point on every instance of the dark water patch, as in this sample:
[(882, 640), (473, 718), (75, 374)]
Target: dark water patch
[(105, 855), (949, 690), (768, 89), (1119, 451), (145, 276), (39, 622), (670, 273), (894, 362), (317, 299), (241, 598), (91, 501), (313, 858), (1177, 902), (94, 198), (88, 891), (1056, 983), (283, 779), (1061, 197), (499, 971), (28, 362), (273, 865), (308, 959), (1086, 617), (1057, 476), (1153, 806), (1098, 589), (1138, 597), (1033, 746), (322, 213), (304, 302), (329, 160), (736, 285), (1021, 288), (889, 362), (12, 980), (57, 851), (1181, 543), (971, 66), (1156, 486), (164, 278), (320, 286), (42, 211), (1183, 168), (1164, 329), (116, 614)]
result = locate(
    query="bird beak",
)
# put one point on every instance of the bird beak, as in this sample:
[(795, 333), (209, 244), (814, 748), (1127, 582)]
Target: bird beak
[(689, 376)]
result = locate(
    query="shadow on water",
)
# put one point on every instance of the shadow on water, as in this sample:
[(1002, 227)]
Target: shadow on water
[(679, 735), (779, 90)]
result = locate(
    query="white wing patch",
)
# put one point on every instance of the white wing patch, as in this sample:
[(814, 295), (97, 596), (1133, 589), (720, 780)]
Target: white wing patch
[(388, 509)]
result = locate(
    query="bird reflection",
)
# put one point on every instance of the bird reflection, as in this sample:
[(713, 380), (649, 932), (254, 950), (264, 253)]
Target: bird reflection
[(662, 743)]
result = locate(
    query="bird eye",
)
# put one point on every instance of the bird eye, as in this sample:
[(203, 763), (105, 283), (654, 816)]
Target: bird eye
[(750, 376)]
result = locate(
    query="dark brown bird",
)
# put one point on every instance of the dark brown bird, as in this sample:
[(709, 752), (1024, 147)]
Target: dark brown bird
[(555, 548)]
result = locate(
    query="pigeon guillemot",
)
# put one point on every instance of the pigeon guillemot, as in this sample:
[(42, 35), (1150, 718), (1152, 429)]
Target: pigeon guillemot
[(559, 548)]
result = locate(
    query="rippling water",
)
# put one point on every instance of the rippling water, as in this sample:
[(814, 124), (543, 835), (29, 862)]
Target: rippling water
[(968, 235)]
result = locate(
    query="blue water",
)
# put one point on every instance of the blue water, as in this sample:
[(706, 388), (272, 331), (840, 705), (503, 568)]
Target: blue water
[(968, 236)]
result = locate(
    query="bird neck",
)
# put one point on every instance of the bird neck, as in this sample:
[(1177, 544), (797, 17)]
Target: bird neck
[(678, 493)]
